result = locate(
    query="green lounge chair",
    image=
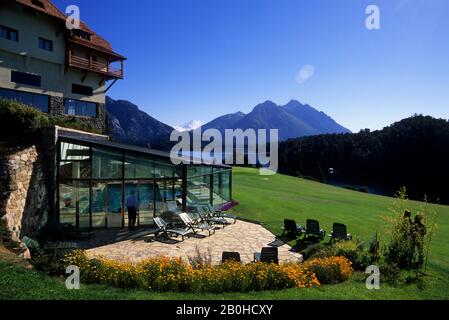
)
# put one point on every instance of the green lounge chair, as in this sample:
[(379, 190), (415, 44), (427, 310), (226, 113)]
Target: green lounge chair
[(193, 226), (167, 230), (59, 247), (291, 228), (208, 218), (33, 246), (339, 232), (230, 256), (221, 214), (268, 255), (313, 230)]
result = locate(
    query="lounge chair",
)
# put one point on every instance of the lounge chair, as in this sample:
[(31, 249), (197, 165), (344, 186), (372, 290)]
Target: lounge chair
[(339, 232), (33, 246), (172, 206), (59, 247), (167, 230), (208, 218), (291, 228), (230, 256), (221, 214), (268, 255), (194, 226), (313, 230)]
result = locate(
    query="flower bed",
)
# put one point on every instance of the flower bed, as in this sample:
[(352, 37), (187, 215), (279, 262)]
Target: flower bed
[(175, 275)]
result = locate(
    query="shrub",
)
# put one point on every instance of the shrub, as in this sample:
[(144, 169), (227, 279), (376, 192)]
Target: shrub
[(409, 237), (330, 270), (353, 250), (20, 120), (17, 118), (174, 275), (316, 250)]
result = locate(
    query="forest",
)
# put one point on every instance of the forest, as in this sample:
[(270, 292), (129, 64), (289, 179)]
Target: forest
[(411, 153)]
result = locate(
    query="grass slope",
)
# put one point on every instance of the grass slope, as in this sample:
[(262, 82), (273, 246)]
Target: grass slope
[(269, 200)]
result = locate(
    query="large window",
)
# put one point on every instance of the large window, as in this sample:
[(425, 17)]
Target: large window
[(28, 79), (80, 108), (107, 164), (38, 101), (138, 168), (8, 33), (75, 162), (45, 44)]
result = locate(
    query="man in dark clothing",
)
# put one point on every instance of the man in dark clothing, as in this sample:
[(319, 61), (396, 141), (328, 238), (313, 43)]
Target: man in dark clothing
[(131, 204)]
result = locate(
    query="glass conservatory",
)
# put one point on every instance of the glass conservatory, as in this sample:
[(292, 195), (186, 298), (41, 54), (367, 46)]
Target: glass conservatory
[(95, 177)]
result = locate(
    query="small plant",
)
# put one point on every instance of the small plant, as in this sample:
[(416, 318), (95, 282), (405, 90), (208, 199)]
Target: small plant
[(410, 237), (200, 259), (374, 248)]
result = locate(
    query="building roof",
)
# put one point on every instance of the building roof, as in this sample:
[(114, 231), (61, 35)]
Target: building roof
[(127, 148), (50, 9)]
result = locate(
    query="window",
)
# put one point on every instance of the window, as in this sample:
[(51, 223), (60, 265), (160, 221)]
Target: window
[(80, 108), (8, 33), (45, 44), (83, 90), (106, 164), (26, 78), (38, 101)]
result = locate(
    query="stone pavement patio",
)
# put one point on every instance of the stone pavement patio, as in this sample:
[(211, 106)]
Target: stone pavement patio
[(134, 246)]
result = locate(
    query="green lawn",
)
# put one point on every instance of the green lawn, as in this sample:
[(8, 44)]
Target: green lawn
[(270, 200)]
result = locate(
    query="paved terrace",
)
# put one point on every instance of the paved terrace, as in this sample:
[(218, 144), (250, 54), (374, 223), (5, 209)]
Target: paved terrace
[(134, 246)]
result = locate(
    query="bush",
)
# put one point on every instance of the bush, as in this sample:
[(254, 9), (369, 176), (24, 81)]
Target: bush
[(20, 120), (409, 237), (330, 270), (174, 275), (353, 250), (316, 250)]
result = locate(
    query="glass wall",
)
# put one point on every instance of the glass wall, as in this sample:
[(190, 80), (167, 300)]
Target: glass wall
[(96, 182), (208, 185)]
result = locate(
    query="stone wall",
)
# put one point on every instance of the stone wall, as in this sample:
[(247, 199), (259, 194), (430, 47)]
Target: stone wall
[(23, 192)]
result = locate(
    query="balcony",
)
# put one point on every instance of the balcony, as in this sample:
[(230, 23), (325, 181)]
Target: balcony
[(113, 69)]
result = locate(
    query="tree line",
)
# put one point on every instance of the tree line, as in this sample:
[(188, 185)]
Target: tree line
[(411, 153)]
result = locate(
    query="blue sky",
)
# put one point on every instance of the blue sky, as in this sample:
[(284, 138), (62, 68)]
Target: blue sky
[(199, 59)]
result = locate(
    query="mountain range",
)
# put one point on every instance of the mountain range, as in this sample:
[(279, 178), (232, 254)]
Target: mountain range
[(129, 124)]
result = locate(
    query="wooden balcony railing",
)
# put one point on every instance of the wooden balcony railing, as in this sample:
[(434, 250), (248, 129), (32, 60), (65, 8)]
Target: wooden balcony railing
[(97, 67)]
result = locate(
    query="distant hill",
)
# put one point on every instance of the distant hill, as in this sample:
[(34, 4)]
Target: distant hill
[(293, 120), (129, 124)]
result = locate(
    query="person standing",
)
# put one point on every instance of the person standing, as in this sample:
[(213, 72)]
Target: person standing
[(131, 204)]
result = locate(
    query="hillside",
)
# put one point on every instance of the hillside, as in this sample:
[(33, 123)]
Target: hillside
[(270, 200), (129, 124)]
